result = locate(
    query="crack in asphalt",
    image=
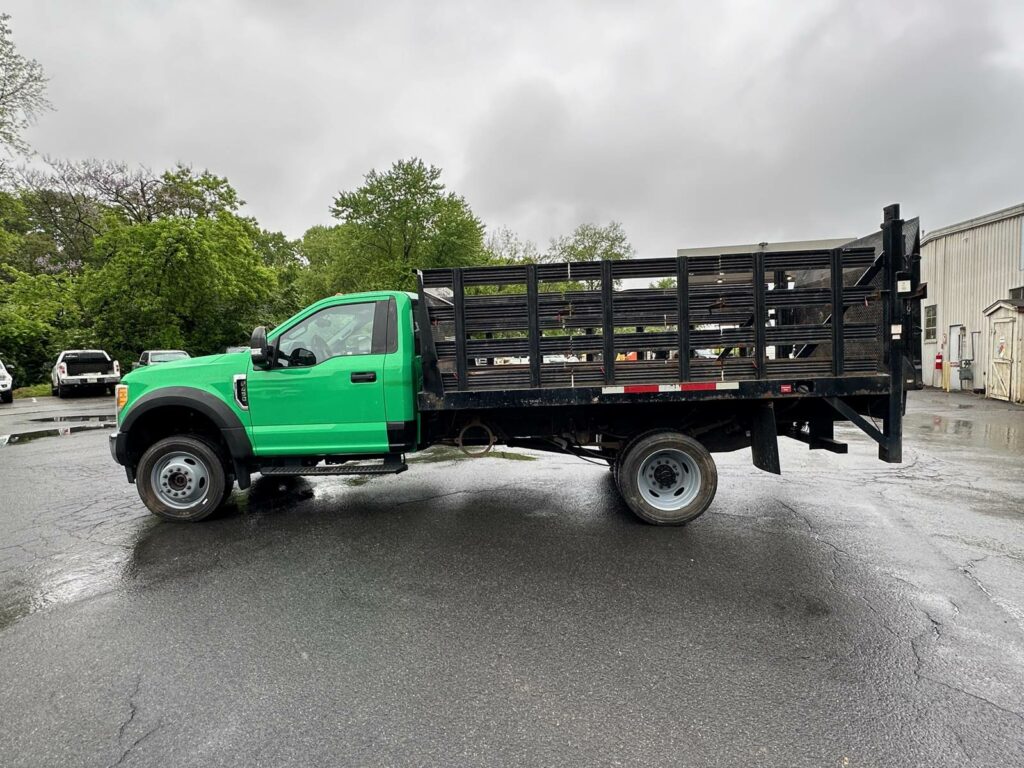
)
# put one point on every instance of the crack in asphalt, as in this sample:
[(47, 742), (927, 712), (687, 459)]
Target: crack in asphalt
[(935, 628), (136, 743), (968, 569), (975, 696), (133, 709), (835, 551)]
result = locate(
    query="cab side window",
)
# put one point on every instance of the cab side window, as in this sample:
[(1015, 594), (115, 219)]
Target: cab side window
[(344, 329)]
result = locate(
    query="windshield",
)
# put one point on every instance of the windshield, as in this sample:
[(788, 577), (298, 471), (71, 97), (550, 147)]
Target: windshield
[(166, 357)]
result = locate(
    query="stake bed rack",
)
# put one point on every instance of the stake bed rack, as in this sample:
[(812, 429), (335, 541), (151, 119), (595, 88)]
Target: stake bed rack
[(832, 330)]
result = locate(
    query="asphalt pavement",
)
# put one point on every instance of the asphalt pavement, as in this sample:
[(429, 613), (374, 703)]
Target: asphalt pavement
[(511, 611)]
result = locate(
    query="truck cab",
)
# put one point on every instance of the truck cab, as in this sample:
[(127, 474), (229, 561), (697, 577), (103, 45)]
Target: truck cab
[(337, 380)]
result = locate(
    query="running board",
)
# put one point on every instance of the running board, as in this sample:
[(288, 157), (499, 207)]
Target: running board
[(388, 467)]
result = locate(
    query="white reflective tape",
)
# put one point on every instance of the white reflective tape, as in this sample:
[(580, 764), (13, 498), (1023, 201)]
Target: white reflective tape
[(727, 385), (897, 330), (668, 387), (903, 286), (612, 390)]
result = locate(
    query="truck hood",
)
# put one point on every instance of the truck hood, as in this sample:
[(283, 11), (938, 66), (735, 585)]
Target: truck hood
[(212, 373)]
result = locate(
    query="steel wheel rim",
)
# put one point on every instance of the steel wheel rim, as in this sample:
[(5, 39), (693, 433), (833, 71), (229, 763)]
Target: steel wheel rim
[(669, 479), (180, 479)]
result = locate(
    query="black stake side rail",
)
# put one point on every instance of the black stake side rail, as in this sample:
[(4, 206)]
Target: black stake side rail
[(725, 302)]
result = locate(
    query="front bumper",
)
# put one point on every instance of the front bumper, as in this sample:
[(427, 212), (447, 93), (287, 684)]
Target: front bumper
[(89, 381), (118, 442), (5, 385)]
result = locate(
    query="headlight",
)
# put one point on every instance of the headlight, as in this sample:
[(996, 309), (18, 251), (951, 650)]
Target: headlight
[(121, 395)]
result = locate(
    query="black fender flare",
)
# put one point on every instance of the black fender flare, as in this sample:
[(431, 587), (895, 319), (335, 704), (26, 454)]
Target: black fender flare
[(212, 407)]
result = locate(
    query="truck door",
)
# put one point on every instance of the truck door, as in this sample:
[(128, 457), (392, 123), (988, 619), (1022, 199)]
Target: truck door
[(325, 395)]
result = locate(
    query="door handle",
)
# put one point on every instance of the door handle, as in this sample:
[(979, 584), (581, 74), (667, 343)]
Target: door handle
[(363, 377)]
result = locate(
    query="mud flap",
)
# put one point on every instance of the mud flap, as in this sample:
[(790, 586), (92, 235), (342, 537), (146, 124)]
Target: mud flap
[(764, 438)]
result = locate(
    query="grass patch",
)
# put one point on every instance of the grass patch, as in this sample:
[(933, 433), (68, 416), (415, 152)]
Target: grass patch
[(36, 390)]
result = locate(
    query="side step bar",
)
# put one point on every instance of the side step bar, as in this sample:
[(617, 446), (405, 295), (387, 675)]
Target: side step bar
[(387, 467)]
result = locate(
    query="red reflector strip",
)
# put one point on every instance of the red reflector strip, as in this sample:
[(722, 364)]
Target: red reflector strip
[(698, 386), (786, 389), (636, 389)]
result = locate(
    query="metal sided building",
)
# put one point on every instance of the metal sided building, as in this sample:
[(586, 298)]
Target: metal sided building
[(968, 267)]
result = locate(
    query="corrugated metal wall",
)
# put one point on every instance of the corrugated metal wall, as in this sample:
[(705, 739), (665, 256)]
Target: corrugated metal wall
[(966, 271)]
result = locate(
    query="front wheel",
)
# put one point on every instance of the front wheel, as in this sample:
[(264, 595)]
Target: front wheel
[(667, 478), (7, 397), (181, 478)]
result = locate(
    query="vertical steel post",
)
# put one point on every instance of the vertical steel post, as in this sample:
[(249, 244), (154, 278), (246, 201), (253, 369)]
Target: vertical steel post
[(894, 332), (432, 381), (760, 316), (838, 339), (779, 279), (459, 302), (683, 326), (533, 325), (608, 321)]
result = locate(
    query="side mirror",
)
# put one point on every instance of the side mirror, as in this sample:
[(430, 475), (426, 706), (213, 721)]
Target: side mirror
[(301, 358), (259, 350), (136, 364)]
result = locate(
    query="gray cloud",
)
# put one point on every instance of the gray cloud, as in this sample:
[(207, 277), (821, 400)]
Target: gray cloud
[(692, 124)]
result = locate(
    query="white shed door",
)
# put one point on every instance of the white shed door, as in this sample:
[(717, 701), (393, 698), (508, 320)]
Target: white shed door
[(1001, 361)]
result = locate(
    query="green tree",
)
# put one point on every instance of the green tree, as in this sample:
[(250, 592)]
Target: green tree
[(37, 315), (590, 242), (332, 262), (504, 246), (187, 194), (282, 256), (194, 283), (399, 221), (22, 92)]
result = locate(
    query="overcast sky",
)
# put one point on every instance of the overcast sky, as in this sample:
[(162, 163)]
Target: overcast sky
[(692, 123)]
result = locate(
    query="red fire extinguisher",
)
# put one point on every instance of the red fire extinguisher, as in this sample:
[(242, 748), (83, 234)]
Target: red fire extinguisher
[(938, 362)]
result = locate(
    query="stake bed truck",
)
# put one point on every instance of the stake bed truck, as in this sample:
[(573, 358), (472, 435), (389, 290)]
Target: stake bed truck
[(744, 347)]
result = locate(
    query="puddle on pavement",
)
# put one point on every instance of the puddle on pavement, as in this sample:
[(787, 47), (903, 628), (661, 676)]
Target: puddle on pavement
[(58, 586), (991, 435), (28, 437), (80, 419)]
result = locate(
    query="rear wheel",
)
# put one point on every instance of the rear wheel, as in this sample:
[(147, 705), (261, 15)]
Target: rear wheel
[(60, 391), (667, 478), (182, 478)]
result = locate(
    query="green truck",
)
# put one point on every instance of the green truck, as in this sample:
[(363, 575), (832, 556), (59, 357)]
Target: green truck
[(746, 347)]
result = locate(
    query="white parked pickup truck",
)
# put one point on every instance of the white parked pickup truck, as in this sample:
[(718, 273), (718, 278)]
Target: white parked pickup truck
[(6, 384), (78, 369)]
